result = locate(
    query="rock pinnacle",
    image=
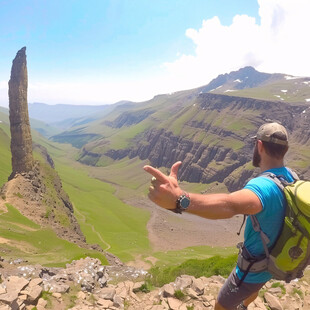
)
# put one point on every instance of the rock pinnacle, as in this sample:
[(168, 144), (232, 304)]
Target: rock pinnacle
[(21, 141)]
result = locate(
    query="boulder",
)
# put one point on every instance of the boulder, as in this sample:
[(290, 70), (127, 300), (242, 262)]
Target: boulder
[(273, 302)]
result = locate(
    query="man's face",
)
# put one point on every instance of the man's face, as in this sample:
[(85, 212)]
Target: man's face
[(256, 157)]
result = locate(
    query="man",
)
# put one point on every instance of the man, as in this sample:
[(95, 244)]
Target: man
[(260, 196)]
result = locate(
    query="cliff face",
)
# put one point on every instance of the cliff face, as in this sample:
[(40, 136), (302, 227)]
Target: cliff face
[(21, 141)]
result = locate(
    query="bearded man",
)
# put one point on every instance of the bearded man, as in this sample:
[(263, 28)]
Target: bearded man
[(260, 197)]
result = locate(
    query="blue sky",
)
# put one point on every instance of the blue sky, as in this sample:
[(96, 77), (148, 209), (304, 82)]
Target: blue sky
[(97, 52)]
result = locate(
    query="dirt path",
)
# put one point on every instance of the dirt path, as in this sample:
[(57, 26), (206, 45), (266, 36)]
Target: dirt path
[(82, 216)]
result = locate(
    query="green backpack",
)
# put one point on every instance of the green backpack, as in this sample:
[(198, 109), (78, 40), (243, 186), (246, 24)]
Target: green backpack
[(290, 255)]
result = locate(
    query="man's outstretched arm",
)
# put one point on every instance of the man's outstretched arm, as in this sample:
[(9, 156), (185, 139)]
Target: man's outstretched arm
[(165, 191)]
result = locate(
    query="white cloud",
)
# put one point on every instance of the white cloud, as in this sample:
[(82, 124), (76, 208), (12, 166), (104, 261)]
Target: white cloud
[(276, 43)]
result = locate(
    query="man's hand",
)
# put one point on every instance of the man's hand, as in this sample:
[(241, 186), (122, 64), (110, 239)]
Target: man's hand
[(164, 190)]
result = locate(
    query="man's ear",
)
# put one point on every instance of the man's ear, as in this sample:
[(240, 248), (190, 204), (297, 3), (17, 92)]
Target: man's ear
[(260, 146)]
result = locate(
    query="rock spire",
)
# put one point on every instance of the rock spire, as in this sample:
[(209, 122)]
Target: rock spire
[(21, 141)]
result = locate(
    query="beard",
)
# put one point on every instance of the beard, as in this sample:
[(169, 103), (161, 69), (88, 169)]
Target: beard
[(256, 157)]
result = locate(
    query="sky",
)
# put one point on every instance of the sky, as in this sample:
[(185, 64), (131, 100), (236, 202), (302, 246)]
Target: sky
[(104, 51)]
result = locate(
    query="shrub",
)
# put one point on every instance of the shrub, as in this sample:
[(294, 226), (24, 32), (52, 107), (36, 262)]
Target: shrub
[(298, 292), (179, 294), (278, 284), (215, 265), (145, 288)]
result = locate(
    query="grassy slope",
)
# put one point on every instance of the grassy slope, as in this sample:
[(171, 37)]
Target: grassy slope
[(28, 240), (293, 91), (22, 237), (5, 155), (103, 217)]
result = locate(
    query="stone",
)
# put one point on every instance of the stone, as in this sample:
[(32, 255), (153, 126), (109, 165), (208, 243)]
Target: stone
[(57, 288), (275, 291), (107, 293), (167, 290), (273, 302), (34, 293), (118, 301), (137, 286), (105, 303), (198, 286), (16, 283), (21, 140), (183, 282), (36, 281), (174, 303), (191, 293), (81, 295), (42, 303)]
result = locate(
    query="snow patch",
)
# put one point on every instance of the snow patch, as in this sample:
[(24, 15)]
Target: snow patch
[(229, 90), (306, 82), (237, 81), (277, 96), (219, 87), (290, 77), (284, 90), (308, 100)]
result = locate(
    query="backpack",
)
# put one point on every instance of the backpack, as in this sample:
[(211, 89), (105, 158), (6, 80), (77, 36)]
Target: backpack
[(290, 254)]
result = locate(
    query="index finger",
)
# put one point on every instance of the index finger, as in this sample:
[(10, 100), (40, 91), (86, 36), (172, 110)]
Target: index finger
[(162, 178)]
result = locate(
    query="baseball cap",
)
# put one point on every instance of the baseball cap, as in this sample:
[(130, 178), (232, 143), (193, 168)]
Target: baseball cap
[(273, 133)]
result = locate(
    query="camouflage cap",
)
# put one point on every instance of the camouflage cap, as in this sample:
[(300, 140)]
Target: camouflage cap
[(273, 133)]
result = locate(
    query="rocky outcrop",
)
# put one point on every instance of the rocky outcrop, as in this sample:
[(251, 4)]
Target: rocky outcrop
[(21, 141), (86, 285)]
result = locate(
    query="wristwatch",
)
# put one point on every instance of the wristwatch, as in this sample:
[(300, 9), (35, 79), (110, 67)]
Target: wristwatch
[(182, 203)]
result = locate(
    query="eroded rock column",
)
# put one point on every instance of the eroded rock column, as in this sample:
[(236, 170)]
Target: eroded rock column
[(21, 141)]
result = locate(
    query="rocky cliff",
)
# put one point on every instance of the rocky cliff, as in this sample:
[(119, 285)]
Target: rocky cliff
[(21, 141), (214, 138)]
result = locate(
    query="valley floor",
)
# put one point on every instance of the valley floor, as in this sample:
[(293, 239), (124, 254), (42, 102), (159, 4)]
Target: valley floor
[(168, 231)]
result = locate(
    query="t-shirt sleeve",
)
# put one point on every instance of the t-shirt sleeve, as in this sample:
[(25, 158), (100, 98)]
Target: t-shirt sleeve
[(263, 188)]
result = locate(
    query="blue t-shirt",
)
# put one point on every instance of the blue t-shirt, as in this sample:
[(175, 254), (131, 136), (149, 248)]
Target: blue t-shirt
[(270, 219)]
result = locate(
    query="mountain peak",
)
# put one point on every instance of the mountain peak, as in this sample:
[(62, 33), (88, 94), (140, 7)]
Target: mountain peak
[(246, 77)]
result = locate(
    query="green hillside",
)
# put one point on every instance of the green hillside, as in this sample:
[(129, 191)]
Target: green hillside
[(22, 238), (291, 90), (5, 152)]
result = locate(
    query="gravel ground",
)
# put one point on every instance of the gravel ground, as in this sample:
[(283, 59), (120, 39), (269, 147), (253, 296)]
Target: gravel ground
[(171, 231)]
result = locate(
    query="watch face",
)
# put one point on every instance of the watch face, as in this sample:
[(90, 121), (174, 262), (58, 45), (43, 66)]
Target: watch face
[(184, 203)]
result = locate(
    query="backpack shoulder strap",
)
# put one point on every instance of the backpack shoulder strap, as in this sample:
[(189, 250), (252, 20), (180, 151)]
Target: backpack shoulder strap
[(293, 173), (263, 236), (280, 181)]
